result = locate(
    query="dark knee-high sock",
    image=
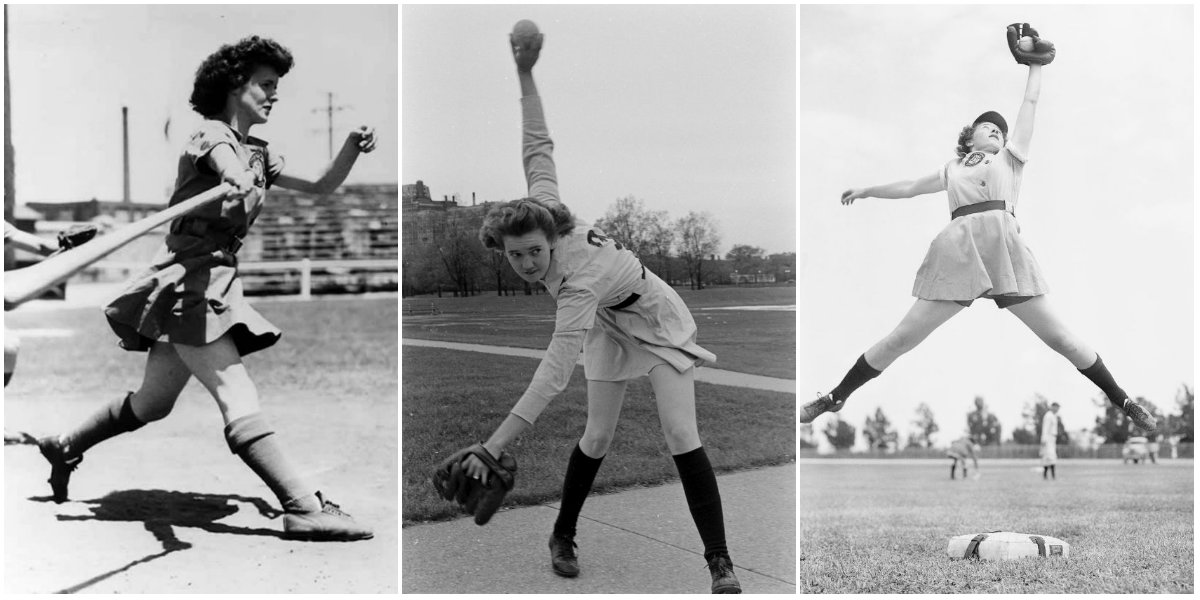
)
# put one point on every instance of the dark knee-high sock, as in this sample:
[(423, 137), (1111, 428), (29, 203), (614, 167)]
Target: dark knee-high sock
[(1099, 375), (255, 443), (1045, 472), (113, 419), (953, 467), (858, 374), (577, 484), (703, 498), (1053, 473)]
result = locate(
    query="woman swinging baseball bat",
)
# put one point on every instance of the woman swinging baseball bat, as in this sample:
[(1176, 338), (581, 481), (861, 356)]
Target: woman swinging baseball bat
[(629, 323), (187, 311), (980, 253)]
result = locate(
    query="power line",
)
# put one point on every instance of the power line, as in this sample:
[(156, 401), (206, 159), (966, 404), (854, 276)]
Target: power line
[(329, 109)]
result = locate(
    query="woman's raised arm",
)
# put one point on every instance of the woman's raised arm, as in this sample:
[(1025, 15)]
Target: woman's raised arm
[(1023, 129)]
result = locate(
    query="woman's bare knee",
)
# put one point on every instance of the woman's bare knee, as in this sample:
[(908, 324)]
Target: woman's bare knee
[(897, 343), (150, 407), (595, 444), (681, 438)]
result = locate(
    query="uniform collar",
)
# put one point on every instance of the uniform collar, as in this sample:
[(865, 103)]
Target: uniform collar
[(243, 139)]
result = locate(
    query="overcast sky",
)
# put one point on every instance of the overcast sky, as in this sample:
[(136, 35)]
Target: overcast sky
[(1106, 203), (687, 107), (72, 68)]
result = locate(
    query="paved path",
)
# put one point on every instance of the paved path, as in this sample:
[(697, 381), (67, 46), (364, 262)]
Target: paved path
[(639, 541), (635, 541), (703, 374)]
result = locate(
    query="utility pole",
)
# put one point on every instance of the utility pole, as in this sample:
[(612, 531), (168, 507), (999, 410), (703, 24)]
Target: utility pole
[(329, 110), (125, 137), (10, 188)]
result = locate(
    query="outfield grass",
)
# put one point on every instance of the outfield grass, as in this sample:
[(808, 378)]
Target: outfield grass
[(883, 527), (758, 342), (460, 397), (345, 346)]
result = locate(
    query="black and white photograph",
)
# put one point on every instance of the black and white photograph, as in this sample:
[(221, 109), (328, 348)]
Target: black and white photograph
[(201, 291), (598, 299), (996, 299)]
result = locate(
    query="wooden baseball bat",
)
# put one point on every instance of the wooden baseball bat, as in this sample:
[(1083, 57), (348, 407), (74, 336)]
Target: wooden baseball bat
[(25, 284)]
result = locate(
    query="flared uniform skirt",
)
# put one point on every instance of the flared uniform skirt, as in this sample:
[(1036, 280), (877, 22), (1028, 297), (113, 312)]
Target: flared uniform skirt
[(1049, 452), (979, 255), (190, 295), (656, 329)]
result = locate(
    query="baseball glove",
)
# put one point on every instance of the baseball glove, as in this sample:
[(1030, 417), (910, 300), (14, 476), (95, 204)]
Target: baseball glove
[(76, 235), (452, 482), (1043, 50)]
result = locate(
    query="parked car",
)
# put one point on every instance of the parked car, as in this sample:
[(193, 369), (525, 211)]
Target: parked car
[(1135, 449)]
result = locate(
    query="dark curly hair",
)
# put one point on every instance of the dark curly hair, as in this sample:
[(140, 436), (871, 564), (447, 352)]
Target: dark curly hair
[(230, 67), (519, 217), (964, 136)]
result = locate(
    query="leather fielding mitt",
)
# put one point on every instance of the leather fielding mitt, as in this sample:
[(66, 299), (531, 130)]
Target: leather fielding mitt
[(1043, 50), (452, 482), (76, 235)]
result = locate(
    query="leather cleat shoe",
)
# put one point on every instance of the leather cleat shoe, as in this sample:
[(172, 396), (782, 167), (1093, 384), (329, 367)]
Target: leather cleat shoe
[(329, 524), (562, 556), (61, 466), (723, 579), (820, 406), (1139, 416)]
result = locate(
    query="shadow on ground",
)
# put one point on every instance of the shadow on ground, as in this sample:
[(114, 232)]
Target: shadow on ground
[(161, 512)]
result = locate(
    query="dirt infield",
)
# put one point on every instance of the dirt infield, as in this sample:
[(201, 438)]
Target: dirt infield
[(168, 508)]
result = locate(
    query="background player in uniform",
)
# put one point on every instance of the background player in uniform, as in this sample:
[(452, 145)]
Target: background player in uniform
[(959, 451), (187, 310), (1050, 441), (980, 254), (15, 238), (629, 324)]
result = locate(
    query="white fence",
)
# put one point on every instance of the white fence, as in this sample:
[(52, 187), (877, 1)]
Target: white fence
[(122, 270)]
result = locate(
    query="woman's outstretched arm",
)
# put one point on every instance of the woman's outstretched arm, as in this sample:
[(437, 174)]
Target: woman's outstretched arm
[(900, 189)]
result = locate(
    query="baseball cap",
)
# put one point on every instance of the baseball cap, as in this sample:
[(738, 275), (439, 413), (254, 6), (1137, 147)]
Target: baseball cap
[(994, 118)]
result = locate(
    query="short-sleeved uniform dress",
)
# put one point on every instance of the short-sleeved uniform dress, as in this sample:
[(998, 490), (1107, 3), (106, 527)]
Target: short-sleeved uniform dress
[(192, 294), (1049, 438), (592, 279), (981, 254)]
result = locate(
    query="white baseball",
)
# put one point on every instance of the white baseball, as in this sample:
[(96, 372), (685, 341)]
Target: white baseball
[(1025, 44)]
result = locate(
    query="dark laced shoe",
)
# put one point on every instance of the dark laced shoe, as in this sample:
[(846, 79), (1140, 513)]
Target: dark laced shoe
[(1139, 416), (562, 555), (723, 579), (329, 524), (820, 406), (61, 465)]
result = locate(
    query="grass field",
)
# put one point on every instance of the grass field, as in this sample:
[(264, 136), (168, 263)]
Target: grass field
[(882, 526), (342, 345), (758, 342), (452, 398)]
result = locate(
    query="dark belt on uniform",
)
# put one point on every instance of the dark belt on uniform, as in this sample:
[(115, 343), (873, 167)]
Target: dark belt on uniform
[(191, 226), (978, 207), (632, 297)]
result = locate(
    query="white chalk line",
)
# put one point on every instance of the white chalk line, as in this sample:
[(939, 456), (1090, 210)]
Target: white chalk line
[(703, 374)]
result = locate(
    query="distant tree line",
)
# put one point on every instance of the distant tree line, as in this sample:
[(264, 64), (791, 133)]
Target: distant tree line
[(1112, 426), (450, 260)]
